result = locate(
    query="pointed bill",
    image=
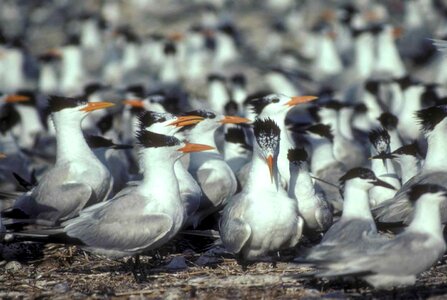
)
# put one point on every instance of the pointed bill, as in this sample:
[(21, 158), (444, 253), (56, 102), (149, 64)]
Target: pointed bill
[(234, 120), (16, 98), (91, 106), (134, 103), (269, 161), (186, 120), (300, 100), (190, 147)]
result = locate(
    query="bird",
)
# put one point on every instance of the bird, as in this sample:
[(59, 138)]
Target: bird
[(380, 143), (169, 124), (78, 178), (115, 161), (312, 205), (398, 261), (262, 218), (146, 216), (433, 123), (356, 219), (209, 169), (276, 106)]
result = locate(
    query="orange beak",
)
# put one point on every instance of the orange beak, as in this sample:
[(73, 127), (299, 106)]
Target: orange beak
[(189, 147), (16, 98), (176, 36), (91, 106), (2, 155), (234, 120), (269, 160), (55, 52), (397, 32), (134, 103), (300, 100), (186, 120)]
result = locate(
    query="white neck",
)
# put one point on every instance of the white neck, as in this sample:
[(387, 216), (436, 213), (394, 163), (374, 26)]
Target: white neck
[(356, 203), (169, 73), (364, 55), (217, 96), (71, 145), (301, 185), (436, 159), (322, 154), (158, 173), (259, 175), (409, 167), (344, 123), (427, 216)]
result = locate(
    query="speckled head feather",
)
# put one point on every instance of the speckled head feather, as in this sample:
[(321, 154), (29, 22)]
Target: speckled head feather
[(430, 117), (58, 103), (420, 189), (259, 104), (297, 155), (255, 96), (149, 139), (201, 113), (388, 121), (267, 133), (359, 172), (151, 117), (322, 130), (96, 141), (380, 139)]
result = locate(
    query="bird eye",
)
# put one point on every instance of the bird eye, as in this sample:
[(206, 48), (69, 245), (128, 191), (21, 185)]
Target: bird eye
[(276, 100)]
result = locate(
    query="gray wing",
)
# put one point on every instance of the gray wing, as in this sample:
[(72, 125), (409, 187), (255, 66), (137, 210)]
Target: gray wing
[(124, 234), (119, 224), (56, 203), (234, 234), (399, 209), (323, 215), (347, 231), (216, 186)]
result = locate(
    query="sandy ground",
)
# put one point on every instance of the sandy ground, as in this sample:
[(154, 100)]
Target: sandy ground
[(33, 270)]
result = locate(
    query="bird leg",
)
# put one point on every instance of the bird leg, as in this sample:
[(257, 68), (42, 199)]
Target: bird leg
[(137, 270)]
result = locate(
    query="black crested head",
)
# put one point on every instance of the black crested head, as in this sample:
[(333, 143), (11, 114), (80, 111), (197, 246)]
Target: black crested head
[(333, 104), (58, 103), (149, 139), (380, 139), (92, 88), (376, 29), (373, 86), (360, 108), (430, 96), (231, 108), (297, 155), (430, 117), (105, 123), (420, 189), (388, 121), (96, 141), (201, 113), (73, 40), (410, 149), (235, 135), (216, 77), (359, 172), (259, 104), (48, 58), (170, 48), (9, 117), (239, 79), (137, 89), (405, 82), (151, 117), (256, 95), (267, 133), (322, 130)]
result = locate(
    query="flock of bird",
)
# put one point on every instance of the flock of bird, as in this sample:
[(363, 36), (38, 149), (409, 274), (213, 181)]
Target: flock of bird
[(322, 122)]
